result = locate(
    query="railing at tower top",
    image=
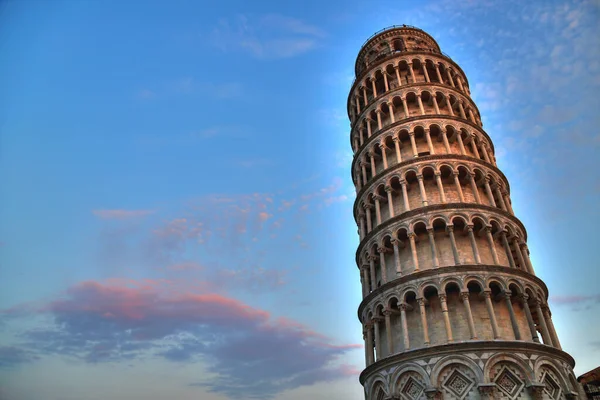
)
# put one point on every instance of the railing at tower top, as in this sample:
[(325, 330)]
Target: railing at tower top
[(390, 28)]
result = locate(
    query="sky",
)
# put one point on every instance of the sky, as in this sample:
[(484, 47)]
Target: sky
[(176, 201)]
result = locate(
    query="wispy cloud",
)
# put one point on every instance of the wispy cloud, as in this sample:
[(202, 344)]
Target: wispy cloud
[(576, 300), (251, 353), (146, 94), (121, 214), (266, 37)]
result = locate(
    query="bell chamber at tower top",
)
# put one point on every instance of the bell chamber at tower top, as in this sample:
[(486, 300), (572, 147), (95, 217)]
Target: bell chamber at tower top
[(395, 39)]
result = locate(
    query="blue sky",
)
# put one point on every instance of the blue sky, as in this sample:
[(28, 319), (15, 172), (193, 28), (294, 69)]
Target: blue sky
[(176, 196)]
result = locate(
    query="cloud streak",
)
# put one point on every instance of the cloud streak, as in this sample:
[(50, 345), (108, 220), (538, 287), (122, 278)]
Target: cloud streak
[(121, 214), (269, 36)]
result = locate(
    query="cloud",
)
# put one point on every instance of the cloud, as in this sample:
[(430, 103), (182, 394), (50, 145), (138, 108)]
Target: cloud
[(11, 356), (121, 214), (269, 36), (575, 300), (251, 354)]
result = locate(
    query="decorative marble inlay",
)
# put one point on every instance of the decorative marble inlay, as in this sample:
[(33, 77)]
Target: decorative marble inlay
[(508, 383), (551, 387), (412, 389), (458, 384)]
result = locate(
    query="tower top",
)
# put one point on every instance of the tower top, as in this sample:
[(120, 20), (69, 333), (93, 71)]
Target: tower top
[(391, 40)]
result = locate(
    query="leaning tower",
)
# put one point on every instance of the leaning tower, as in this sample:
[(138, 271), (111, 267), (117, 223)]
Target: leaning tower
[(451, 305)]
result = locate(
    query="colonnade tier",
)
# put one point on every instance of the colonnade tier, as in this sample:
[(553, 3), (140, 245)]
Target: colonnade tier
[(405, 103), (408, 186), (443, 238), (475, 303), (406, 70)]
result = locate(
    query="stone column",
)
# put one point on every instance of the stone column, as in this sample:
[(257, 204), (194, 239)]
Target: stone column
[(373, 166), (519, 255), (487, 295), (500, 198), (511, 260), (450, 229), (403, 307), (440, 185), (368, 124), (420, 101), (422, 189), (396, 244), (474, 244), (437, 72), (412, 72), (450, 78), (465, 299), (486, 157), (474, 188), (377, 338), (446, 143), (373, 274), (511, 312), (413, 144), (368, 207), (436, 107), (550, 325), (461, 196), (366, 345), (383, 155), (474, 146), (365, 97), (374, 87), (429, 143), (363, 168), (357, 102), (542, 321), (449, 106), (377, 199), (525, 252), (405, 106), (488, 191), (397, 69), (472, 116), (488, 233), (390, 200), (369, 347), (381, 251), (434, 256), (413, 248), (378, 113), (388, 331), (391, 111), (361, 218), (532, 330), (365, 274), (397, 147), (421, 302), (425, 73), (385, 82), (461, 144), (405, 195), (444, 304), (460, 86), (507, 202)]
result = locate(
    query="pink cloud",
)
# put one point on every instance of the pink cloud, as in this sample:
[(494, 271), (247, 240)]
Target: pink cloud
[(240, 344)]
